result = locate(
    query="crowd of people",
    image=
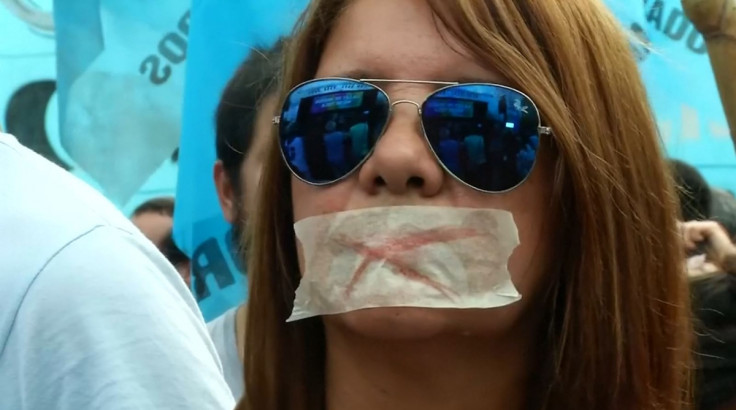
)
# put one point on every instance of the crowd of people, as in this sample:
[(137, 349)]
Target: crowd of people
[(626, 260)]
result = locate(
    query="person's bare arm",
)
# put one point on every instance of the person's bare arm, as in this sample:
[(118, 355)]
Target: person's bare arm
[(716, 21)]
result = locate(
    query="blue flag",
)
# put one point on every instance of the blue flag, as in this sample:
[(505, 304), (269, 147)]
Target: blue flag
[(28, 76), (683, 93), (222, 35), (120, 82)]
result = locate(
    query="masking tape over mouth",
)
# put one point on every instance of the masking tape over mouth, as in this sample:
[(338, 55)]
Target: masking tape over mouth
[(405, 256)]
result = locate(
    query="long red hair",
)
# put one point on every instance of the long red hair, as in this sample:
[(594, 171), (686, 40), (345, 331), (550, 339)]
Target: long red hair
[(619, 335)]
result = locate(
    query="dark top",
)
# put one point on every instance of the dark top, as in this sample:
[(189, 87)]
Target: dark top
[(714, 307)]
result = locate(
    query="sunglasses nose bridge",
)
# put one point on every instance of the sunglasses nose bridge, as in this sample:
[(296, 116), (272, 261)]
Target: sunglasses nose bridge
[(410, 102), (414, 103)]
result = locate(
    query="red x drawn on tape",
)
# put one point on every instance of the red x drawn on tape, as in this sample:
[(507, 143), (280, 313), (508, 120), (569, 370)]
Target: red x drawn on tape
[(392, 248)]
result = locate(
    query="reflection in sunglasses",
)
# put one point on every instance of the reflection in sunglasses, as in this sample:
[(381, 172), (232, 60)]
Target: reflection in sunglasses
[(485, 135)]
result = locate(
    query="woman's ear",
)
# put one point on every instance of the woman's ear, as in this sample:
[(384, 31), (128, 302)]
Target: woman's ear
[(225, 192)]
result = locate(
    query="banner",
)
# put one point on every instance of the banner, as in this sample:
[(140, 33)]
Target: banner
[(677, 72), (28, 75), (222, 35), (120, 86)]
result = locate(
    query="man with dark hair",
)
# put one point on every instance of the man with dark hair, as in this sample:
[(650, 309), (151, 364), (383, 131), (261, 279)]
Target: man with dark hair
[(243, 125), (164, 206), (693, 191), (155, 219)]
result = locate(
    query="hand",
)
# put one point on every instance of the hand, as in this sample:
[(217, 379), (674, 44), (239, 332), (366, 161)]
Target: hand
[(710, 232)]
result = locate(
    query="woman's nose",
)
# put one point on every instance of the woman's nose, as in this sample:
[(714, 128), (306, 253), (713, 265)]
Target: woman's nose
[(402, 160)]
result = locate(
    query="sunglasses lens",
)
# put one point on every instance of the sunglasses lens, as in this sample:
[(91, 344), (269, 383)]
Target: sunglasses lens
[(485, 135), (328, 127)]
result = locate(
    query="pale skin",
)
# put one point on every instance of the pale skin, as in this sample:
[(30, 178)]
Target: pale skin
[(157, 227), (154, 226), (250, 176), (250, 169), (719, 245), (695, 232), (716, 20), (414, 358)]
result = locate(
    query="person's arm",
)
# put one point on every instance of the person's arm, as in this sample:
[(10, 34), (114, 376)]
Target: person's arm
[(108, 324), (716, 21)]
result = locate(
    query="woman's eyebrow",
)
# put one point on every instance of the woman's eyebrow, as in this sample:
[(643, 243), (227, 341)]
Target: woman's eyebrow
[(358, 74), (485, 79)]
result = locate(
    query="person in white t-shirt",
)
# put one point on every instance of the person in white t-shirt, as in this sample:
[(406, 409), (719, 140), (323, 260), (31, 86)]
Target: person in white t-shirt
[(243, 125), (92, 316)]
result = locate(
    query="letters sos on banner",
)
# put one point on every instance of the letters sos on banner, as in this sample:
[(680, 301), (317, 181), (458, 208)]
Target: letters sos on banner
[(96, 86), (120, 84)]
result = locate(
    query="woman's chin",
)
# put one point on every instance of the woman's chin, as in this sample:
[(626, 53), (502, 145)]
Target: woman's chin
[(414, 323)]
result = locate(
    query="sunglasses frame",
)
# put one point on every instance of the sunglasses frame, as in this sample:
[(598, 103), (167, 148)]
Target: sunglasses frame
[(542, 130)]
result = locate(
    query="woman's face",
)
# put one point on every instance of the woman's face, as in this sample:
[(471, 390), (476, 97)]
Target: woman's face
[(391, 39)]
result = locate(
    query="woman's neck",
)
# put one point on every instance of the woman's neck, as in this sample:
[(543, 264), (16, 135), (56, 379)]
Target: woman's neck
[(448, 373), (240, 316)]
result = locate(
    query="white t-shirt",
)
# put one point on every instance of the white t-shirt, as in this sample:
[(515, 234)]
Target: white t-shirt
[(222, 331), (92, 316)]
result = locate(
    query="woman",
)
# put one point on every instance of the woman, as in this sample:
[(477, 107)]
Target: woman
[(243, 125), (603, 322)]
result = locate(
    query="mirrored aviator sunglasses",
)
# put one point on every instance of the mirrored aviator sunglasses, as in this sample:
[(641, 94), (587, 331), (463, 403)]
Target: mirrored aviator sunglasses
[(485, 135)]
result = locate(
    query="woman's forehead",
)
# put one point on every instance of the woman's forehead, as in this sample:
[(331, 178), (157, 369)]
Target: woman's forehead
[(397, 39)]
